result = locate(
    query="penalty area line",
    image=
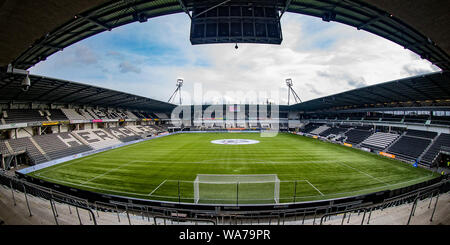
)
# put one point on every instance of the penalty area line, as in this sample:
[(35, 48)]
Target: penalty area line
[(162, 183), (315, 188), (107, 172)]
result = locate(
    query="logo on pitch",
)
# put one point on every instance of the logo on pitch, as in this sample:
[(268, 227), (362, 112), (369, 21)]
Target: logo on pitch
[(235, 142)]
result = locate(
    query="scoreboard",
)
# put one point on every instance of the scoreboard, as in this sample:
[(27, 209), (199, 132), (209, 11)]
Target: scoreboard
[(236, 22)]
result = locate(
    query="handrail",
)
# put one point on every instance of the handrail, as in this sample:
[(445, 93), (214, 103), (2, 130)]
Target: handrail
[(156, 211), (183, 219), (420, 193)]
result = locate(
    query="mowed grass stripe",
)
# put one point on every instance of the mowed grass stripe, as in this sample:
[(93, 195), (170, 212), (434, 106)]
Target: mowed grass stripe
[(331, 168)]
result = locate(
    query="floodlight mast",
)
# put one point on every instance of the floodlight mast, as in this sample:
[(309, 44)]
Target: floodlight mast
[(179, 84), (297, 99)]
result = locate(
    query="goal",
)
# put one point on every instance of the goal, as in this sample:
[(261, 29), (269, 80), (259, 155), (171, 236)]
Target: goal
[(237, 189)]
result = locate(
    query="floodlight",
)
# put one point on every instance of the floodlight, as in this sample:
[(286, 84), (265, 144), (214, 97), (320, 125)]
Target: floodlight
[(180, 82), (289, 82)]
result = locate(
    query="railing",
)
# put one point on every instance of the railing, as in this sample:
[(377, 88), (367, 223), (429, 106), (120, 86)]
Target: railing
[(445, 149), (413, 197), (273, 215), (45, 193)]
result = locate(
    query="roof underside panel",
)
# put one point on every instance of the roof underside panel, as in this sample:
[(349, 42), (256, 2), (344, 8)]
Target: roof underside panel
[(54, 91), (432, 87), (113, 14), (93, 22), (368, 18)]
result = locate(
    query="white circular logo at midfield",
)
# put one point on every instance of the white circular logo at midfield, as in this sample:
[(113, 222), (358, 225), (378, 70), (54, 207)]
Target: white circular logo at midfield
[(235, 142)]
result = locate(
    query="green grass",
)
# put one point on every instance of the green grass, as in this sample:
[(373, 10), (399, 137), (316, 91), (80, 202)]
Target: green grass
[(164, 168)]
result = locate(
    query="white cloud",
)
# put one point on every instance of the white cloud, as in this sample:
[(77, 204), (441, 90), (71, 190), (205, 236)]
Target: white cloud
[(321, 58)]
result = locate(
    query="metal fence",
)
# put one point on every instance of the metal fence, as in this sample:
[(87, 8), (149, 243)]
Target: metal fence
[(408, 198), (315, 213)]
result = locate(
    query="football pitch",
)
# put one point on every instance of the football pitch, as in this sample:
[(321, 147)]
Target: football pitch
[(165, 169)]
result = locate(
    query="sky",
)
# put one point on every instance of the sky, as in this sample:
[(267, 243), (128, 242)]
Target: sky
[(146, 59)]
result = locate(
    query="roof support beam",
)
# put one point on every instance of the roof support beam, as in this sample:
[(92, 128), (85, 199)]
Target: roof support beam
[(183, 6), (288, 4), (418, 91), (124, 102), (96, 22), (85, 97), (436, 84), (109, 97), (69, 94), (358, 95), (346, 99), (402, 95), (371, 21), (44, 45), (21, 91), (13, 79), (50, 91), (213, 7)]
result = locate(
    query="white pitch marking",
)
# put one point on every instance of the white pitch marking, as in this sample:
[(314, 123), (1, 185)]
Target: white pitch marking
[(315, 188), (92, 187), (162, 183), (364, 173), (107, 172), (84, 158)]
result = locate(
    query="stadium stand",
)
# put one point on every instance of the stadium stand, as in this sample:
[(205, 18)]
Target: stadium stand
[(320, 129), (85, 114), (421, 134), (123, 134), (131, 115), (47, 147), (72, 114), (22, 116), (26, 144), (310, 127), (368, 127), (420, 119), (379, 140), (96, 138), (142, 130), (356, 136), (161, 115), (433, 151), (333, 131), (56, 115), (96, 114), (60, 145), (440, 121), (139, 115), (409, 148), (159, 128), (392, 119), (3, 148)]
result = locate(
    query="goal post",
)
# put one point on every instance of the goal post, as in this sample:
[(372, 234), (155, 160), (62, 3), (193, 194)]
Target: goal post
[(237, 189)]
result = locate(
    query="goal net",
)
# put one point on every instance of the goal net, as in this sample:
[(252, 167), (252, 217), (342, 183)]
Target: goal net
[(237, 189)]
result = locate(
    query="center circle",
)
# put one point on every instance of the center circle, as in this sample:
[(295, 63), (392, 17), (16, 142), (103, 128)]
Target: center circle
[(235, 142)]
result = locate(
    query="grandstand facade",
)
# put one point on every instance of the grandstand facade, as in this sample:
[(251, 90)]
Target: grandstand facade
[(52, 120), (42, 128)]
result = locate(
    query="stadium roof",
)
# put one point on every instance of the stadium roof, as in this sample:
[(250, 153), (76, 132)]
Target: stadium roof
[(55, 91), (33, 30), (412, 91)]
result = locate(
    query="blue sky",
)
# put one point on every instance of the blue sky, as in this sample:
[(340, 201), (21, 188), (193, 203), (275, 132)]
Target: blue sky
[(147, 58)]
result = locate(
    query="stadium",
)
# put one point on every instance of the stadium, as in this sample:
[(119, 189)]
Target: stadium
[(74, 153)]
